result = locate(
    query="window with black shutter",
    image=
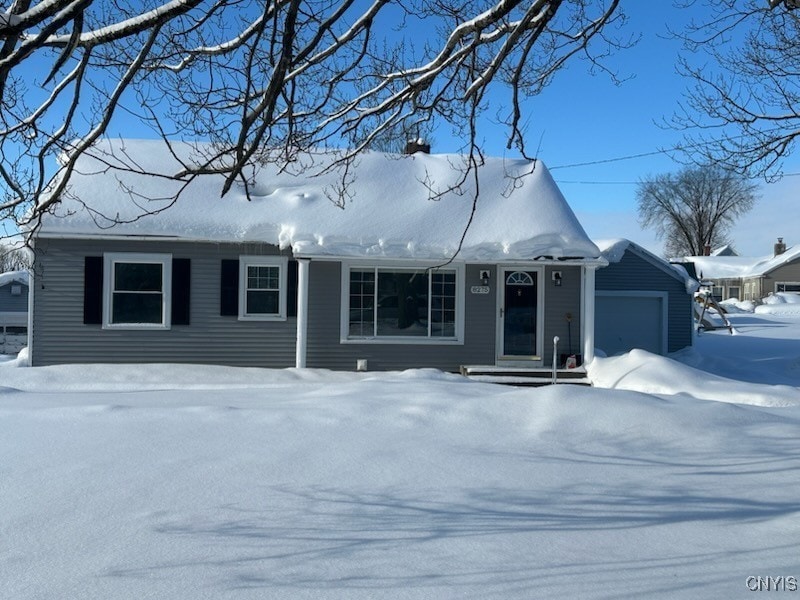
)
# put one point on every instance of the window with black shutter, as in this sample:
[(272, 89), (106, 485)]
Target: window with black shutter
[(93, 290)]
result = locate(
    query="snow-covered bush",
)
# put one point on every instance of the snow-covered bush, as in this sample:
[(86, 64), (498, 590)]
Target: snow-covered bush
[(782, 298), (733, 305), (780, 303)]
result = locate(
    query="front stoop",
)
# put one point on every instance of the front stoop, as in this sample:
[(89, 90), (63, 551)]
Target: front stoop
[(527, 377)]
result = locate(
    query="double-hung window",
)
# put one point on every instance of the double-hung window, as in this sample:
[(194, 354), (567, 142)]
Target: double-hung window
[(262, 283), (396, 304), (137, 291)]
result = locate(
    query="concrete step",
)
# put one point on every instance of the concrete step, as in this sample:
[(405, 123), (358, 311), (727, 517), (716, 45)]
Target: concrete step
[(528, 381), (521, 376)]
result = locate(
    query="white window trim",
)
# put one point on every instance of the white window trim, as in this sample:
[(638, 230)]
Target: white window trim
[(282, 263), (785, 283), (503, 271), (663, 296), (344, 304), (109, 260)]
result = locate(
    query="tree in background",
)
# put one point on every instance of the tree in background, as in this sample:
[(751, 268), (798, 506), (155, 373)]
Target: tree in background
[(743, 109), (267, 80), (14, 259), (694, 208)]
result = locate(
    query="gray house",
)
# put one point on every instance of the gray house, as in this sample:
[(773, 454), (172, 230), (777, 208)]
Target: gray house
[(13, 311), (642, 301), (750, 277), (365, 265)]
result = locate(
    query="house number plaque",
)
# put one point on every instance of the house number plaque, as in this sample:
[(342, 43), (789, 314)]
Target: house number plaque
[(479, 289)]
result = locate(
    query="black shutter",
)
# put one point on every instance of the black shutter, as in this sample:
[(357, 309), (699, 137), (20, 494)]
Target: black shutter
[(181, 290), (229, 288), (291, 290), (93, 290)]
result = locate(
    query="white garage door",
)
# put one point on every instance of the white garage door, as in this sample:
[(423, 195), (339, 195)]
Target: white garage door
[(627, 320)]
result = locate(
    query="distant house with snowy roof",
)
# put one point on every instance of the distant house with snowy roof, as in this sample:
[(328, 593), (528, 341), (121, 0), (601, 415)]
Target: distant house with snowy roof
[(13, 311), (280, 274), (642, 301), (750, 277), (726, 250)]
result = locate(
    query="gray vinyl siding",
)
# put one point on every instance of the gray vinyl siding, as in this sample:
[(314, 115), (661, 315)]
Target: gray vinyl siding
[(726, 284), (60, 336), (789, 272), (325, 349), (10, 303), (633, 273), (558, 301), (765, 284)]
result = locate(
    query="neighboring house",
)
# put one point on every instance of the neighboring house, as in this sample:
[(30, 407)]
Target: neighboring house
[(748, 277), (13, 311), (726, 250), (287, 276), (642, 301)]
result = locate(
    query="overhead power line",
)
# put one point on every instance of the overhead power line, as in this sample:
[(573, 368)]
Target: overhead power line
[(617, 159), (583, 182), (676, 148)]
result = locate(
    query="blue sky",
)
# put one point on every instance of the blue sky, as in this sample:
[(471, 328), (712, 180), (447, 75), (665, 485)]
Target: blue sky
[(583, 118)]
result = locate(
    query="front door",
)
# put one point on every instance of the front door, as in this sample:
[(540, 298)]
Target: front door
[(519, 315)]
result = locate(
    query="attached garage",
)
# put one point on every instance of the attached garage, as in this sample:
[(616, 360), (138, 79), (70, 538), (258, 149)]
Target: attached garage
[(641, 301), (635, 319)]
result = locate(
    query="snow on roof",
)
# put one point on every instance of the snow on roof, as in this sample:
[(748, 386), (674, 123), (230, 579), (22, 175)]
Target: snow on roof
[(721, 267), (726, 250), (14, 277), (769, 263), (388, 212), (614, 249), (734, 267)]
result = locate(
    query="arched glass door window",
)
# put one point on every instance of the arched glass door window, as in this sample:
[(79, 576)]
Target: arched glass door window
[(519, 314), (519, 278)]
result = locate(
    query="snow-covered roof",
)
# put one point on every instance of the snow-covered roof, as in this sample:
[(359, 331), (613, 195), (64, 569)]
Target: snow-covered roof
[(726, 250), (770, 263), (721, 267), (389, 211), (614, 249), (14, 277), (733, 267)]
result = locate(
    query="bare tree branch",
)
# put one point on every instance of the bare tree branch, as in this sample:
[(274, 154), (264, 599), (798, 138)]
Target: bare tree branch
[(266, 80), (743, 109)]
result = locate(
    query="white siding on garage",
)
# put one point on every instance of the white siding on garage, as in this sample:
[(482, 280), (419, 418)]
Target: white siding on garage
[(631, 319)]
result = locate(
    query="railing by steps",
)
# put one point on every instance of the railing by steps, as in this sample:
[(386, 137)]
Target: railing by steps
[(555, 363)]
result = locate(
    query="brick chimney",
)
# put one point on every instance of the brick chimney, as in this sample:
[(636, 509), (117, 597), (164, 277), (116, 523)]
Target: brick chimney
[(707, 250), (780, 247), (417, 145)]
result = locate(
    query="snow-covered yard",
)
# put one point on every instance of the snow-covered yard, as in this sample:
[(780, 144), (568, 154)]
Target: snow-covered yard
[(183, 482)]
